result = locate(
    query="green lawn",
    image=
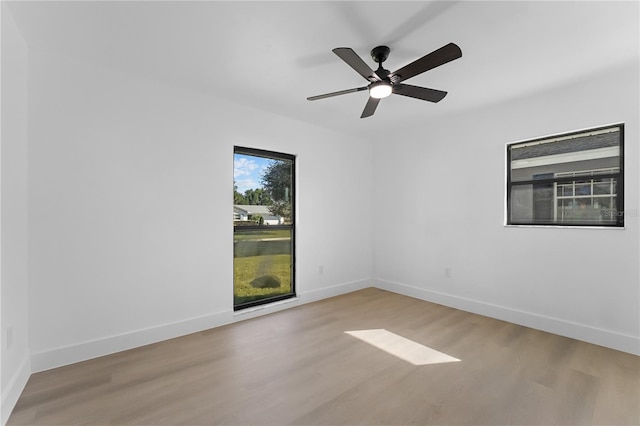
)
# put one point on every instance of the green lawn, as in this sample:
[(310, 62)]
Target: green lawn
[(245, 269)]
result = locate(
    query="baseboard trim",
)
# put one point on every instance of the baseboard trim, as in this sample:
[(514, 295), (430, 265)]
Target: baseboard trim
[(597, 336), (59, 357), (336, 290), (14, 389)]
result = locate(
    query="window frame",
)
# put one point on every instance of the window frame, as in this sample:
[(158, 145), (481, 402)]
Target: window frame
[(292, 226), (619, 176)]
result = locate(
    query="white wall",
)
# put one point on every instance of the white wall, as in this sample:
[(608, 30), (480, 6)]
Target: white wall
[(14, 352), (130, 203), (583, 283)]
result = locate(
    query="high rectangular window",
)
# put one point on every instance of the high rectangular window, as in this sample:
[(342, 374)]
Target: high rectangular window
[(572, 179)]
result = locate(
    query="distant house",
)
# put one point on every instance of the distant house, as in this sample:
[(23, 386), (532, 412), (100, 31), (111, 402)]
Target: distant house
[(591, 158), (246, 213)]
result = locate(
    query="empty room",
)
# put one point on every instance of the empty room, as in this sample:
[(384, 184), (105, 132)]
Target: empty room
[(435, 213)]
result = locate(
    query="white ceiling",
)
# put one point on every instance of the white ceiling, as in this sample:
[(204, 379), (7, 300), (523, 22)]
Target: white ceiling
[(273, 55)]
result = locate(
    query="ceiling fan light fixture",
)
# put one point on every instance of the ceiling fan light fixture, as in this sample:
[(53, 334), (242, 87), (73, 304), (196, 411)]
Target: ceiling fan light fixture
[(380, 89), (382, 83)]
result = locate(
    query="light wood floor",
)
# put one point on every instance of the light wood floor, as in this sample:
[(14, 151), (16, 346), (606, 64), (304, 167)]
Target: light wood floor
[(298, 367)]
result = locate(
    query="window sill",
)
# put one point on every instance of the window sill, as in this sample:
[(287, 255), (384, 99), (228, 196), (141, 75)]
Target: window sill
[(616, 228), (266, 306)]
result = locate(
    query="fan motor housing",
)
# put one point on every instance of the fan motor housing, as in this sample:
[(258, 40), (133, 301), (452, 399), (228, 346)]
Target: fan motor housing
[(380, 53)]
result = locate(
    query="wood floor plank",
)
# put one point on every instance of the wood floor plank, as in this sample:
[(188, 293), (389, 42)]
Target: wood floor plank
[(298, 367)]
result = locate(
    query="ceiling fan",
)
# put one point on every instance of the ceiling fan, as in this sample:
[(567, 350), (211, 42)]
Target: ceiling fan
[(383, 83)]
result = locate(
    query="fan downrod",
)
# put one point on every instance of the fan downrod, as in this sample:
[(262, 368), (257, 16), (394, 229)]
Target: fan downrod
[(380, 54)]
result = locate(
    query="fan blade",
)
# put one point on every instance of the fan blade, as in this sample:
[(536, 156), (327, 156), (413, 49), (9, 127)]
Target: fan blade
[(432, 60), (370, 107), (431, 95), (342, 92), (354, 61)]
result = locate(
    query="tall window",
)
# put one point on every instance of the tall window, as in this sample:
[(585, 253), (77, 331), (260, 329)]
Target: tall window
[(263, 227), (571, 179)]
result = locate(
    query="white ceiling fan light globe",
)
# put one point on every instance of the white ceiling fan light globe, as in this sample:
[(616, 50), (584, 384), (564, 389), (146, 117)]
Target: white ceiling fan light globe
[(380, 90)]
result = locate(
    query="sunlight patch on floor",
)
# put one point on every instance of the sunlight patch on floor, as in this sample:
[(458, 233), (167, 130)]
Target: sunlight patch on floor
[(401, 347)]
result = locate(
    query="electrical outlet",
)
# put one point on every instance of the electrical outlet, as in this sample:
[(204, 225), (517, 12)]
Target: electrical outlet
[(447, 272)]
